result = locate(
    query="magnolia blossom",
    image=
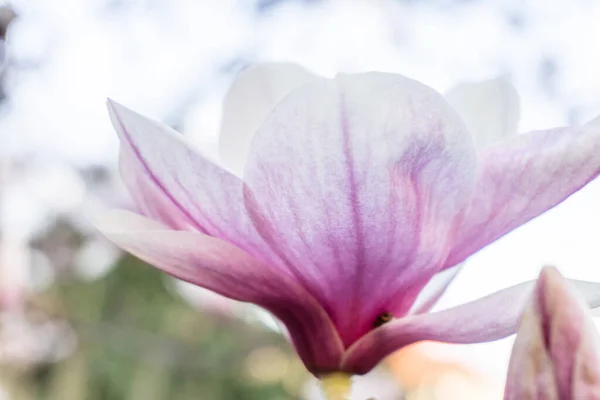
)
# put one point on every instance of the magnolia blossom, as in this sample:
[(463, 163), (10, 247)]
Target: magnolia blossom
[(557, 351), (343, 207)]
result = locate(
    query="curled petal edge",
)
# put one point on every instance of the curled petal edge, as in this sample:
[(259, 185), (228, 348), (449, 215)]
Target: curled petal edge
[(490, 318), (225, 269)]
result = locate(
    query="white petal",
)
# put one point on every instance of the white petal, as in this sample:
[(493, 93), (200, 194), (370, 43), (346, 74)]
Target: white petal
[(435, 289), (489, 108), (251, 98)]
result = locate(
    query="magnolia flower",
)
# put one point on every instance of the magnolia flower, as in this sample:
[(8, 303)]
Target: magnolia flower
[(556, 353), (359, 196)]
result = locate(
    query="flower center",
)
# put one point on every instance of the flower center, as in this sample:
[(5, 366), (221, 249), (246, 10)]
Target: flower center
[(383, 319)]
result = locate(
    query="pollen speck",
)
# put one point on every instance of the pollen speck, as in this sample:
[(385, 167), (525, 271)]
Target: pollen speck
[(383, 319)]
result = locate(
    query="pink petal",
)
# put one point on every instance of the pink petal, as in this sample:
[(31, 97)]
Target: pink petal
[(150, 199), (489, 108), (218, 266), (251, 98), (556, 354), (490, 318), (521, 178), (356, 183), (586, 372), (174, 183)]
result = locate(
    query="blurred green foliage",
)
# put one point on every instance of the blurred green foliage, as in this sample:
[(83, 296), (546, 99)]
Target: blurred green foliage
[(137, 340)]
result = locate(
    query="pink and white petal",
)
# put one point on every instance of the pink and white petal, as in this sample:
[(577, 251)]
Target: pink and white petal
[(356, 182), (489, 108), (149, 198), (490, 318), (435, 289), (523, 177), (251, 98), (555, 354), (225, 269), (175, 183), (586, 373)]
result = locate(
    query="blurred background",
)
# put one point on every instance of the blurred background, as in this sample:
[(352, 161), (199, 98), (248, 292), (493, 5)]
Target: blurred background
[(80, 320)]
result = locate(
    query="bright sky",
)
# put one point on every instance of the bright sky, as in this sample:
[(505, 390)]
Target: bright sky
[(173, 61)]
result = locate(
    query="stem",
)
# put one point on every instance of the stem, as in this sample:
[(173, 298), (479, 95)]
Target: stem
[(337, 386)]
